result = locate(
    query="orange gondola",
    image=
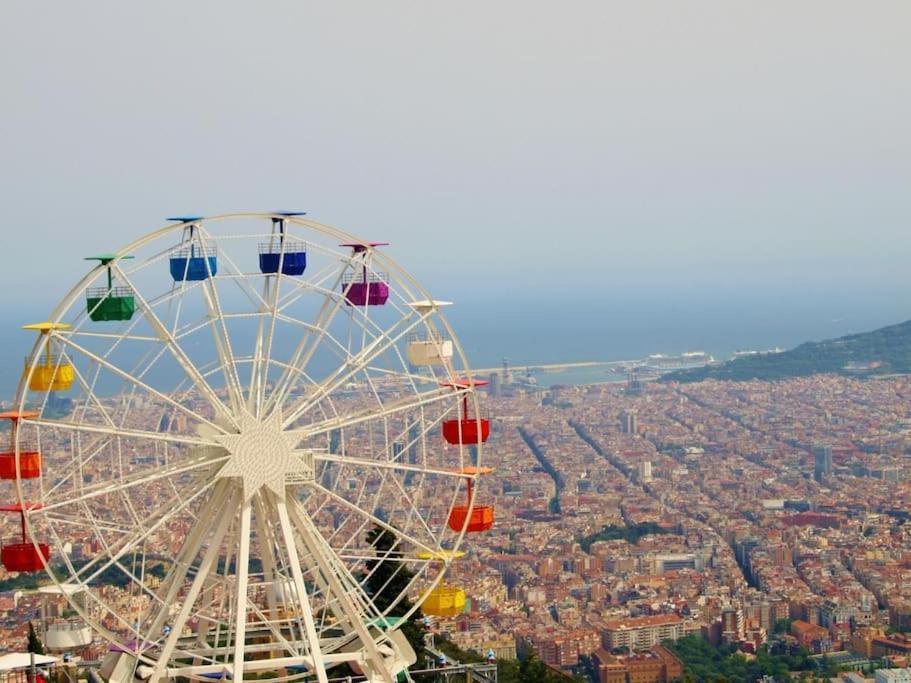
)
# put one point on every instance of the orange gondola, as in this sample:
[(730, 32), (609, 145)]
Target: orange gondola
[(481, 516)]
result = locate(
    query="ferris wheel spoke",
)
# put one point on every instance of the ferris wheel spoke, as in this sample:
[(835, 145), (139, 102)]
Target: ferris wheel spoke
[(306, 347), (236, 275), (351, 368), (177, 574), (109, 335), (313, 285), (391, 374), (92, 524), (121, 548), (408, 506), (300, 358), (258, 372), (371, 517), (272, 293), (120, 432), (109, 488), (263, 347), (179, 354), (335, 346), (387, 466), (88, 390), (388, 410), (320, 545), (77, 460), (222, 339), (135, 380), (225, 350), (383, 464)]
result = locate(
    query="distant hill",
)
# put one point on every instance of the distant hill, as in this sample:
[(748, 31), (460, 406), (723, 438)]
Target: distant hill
[(883, 351)]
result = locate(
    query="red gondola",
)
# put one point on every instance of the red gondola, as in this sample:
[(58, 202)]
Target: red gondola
[(29, 457), (21, 555), (467, 430)]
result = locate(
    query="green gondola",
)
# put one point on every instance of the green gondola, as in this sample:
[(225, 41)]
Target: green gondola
[(109, 303)]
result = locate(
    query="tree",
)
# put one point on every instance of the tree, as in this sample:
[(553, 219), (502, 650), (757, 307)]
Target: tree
[(782, 626), (389, 578), (34, 643), (531, 670)]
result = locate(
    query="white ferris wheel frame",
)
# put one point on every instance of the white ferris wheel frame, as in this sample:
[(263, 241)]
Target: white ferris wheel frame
[(340, 591)]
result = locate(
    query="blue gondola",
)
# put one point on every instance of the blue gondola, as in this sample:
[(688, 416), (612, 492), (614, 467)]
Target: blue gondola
[(289, 254), (293, 260), (195, 261)]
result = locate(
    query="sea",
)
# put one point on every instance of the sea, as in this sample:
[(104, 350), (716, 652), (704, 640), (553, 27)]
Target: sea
[(565, 329)]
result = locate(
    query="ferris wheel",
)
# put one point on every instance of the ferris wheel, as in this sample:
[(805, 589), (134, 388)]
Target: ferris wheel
[(250, 443)]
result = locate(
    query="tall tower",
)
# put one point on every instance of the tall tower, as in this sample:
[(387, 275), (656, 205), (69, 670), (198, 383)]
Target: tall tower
[(507, 373), (822, 462), (629, 422), (645, 471), (493, 386), (414, 435)]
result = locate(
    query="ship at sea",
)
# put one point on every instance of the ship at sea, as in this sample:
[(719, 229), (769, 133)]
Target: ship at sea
[(661, 363)]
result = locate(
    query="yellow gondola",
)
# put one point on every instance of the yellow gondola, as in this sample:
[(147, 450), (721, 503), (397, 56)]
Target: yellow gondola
[(50, 372), (444, 601)]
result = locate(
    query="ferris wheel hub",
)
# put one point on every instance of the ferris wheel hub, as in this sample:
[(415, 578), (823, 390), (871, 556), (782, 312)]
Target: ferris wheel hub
[(261, 454)]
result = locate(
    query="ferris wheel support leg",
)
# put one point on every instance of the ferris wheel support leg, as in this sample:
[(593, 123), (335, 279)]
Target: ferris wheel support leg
[(243, 575), (266, 555), (202, 574), (293, 559), (266, 548), (314, 543), (185, 557)]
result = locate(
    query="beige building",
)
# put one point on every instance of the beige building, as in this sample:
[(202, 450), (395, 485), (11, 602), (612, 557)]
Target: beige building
[(641, 633)]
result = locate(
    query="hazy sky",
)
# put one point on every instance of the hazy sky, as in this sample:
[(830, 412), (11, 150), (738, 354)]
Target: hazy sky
[(591, 147)]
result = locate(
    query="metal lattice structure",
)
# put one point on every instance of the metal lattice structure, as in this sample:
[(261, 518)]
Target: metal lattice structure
[(222, 412)]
